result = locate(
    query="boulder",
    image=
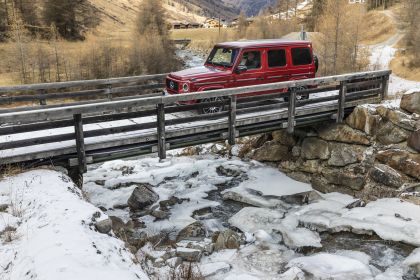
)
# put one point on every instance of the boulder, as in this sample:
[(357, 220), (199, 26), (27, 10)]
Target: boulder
[(390, 134), (194, 231), (104, 226), (118, 225), (315, 148), (414, 140), (411, 102), (344, 134), (188, 255), (227, 240), (311, 166), (344, 178), (364, 119), (272, 151), (402, 161), (397, 117), (160, 215), (386, 175), (4, 207), (284, 138), (345, 154), (142, 197)]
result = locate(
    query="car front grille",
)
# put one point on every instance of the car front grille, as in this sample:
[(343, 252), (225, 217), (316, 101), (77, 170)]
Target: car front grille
[(172, 85)]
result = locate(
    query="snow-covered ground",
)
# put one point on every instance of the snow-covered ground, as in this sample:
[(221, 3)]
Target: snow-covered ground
[(47, 233), (277, 233)]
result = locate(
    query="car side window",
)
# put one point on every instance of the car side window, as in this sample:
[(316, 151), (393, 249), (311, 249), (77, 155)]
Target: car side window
[(276, 58), (301, 56), (251, 59)]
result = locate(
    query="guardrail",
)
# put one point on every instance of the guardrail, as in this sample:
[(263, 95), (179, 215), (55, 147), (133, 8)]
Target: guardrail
[(244, 115)]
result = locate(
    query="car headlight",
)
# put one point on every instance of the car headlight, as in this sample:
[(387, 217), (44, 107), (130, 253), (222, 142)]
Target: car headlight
[(185, 87)]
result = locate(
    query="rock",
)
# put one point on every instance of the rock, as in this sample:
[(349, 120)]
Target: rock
[(212, 269), (3, 207), (142, 197), (357, 203), (344, 178), (386, 175), (194, 231), (166, 204), (311, 166), (362, 118), (391, 134), (174, 262), (272, 152), (315, 148), (300, 177), (296, 151), (411, 102), (396, 117), (258, 142), (345, 154), (188, 255), (227, 240), (402, 161), (223, 171), (160, 215), (344, 134), (414, 140), (104, 226), (100, 182), (118, 224), (321, 184), (284, 138)]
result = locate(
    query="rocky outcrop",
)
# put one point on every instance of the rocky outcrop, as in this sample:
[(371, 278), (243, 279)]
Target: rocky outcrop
[(315, 148), (411, 102), (414, 140), (344, 134), (272, 151)]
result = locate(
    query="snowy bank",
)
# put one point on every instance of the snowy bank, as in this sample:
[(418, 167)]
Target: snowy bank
[(52, 236)]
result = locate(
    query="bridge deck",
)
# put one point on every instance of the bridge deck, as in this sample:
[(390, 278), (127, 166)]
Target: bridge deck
[(109, 130)]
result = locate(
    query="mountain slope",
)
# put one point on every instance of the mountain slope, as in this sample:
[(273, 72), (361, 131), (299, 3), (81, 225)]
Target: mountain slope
[(251, 7)]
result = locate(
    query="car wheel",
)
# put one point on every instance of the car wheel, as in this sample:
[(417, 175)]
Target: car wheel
[(212, 109), (298, 96)]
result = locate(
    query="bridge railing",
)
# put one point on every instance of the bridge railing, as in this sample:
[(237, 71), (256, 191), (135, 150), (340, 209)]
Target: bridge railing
[(155, 128)]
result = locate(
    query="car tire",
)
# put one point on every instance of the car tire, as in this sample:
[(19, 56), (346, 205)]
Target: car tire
[(298, 96), (211, 110)]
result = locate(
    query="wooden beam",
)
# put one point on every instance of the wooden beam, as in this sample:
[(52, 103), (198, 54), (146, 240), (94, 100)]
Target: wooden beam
[(341, 102), (291, 112), (384, 87), (42, 100), (232, 121), (80, 143), (161, 131)]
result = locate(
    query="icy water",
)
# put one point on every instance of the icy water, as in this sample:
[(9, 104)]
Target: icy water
[(190, 58), (201, 181)]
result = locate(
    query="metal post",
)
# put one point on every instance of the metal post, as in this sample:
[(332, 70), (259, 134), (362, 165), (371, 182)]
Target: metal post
[(80, 143), (232, 120), (385, 85), (161, 131), (291, 112), (341, 102)]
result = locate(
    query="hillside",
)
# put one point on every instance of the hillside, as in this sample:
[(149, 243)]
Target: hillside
[(250, 7)]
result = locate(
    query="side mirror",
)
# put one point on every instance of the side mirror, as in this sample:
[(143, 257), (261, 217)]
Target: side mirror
[(241, 69)]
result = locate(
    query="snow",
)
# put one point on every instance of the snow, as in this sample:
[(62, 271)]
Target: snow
[(54, 238), (330, 266), (211, 269)]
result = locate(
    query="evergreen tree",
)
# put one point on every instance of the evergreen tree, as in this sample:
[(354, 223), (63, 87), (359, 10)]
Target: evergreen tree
[(3, 20), (72, 18)]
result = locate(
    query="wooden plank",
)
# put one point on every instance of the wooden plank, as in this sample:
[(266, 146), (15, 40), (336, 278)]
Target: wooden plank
[(80, 143), (161, 131), (291, 112), (232, 121), (341, 102), (384, 87), (42, 100)]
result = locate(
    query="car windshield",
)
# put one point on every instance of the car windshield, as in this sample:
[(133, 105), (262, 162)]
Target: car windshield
[(222, 57)]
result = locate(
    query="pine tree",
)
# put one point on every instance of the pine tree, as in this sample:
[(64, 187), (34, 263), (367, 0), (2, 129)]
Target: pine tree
[(3, 20), (242, 25), (71, 17)]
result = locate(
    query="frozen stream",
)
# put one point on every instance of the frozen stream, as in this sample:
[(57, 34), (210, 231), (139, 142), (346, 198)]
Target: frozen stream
[(281, 237)]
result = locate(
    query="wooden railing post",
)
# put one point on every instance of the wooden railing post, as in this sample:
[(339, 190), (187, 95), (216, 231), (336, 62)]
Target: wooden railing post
[(384, 88), (161, 131), (341, 102), (232, 120), (109, 92), (80, 143), (291, 112), (42, 101)]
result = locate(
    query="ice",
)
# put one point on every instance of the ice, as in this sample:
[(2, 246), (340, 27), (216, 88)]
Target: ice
[(54, 240), (211, 269), (330, 266)]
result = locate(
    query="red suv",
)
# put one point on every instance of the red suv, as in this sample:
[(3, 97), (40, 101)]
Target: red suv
[(245, 63)]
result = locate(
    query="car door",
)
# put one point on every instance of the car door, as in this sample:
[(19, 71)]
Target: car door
[(278, 63), (254, 75), (302, 66)]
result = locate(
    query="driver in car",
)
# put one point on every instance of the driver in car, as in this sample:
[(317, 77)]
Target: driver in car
[(250, 61)]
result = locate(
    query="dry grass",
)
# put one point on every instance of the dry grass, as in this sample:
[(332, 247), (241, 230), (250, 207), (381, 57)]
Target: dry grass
[(402, 66), (204, 38), (378, 28), (10, 171)]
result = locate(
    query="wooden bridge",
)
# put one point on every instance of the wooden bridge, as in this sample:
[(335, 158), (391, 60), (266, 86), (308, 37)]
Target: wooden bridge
[(73, 124)]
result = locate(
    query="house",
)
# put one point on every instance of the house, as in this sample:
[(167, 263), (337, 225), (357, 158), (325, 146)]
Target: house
[(185, 25), (213, 23)]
